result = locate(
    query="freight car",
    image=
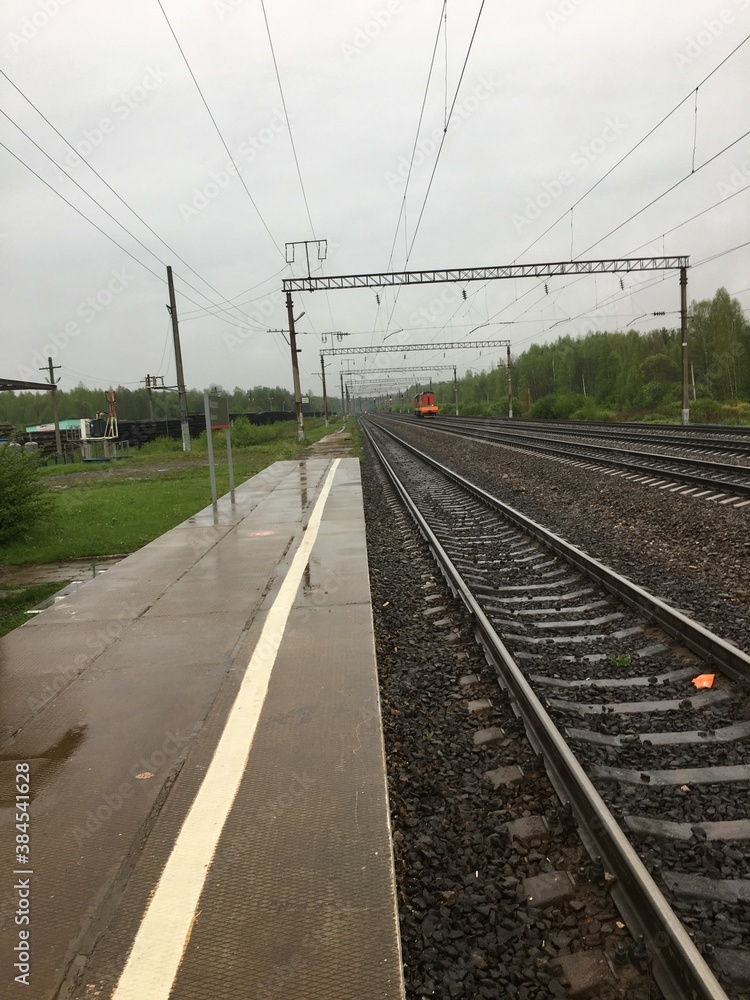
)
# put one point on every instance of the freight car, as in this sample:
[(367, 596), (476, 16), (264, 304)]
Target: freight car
[(425, 405)]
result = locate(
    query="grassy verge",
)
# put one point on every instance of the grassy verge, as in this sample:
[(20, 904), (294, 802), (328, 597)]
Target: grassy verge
[(356, 443), (118, 507), (16, 601)]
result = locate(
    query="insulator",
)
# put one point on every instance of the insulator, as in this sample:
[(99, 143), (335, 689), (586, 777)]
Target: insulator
[(546, 288), (622, 285), (463, 293), (377, 298)]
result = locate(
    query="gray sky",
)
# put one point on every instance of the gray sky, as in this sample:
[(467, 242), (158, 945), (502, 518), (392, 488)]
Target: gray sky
[(554, 93)]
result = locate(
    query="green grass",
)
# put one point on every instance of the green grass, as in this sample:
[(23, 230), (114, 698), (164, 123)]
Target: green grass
[(356, 442), (99, 516), (16, 601)]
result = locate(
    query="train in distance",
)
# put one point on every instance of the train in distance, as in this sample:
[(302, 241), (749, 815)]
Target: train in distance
[(425, 405)]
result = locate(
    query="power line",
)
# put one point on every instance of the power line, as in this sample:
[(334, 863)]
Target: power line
[(110, 215), (664, 193), (218, 130), (633, 148), (416, 137), (437, 157), (119, 246), (110, 188), (445, 132), (286, 116)]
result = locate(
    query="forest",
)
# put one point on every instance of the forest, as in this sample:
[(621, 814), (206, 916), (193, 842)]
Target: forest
[(624, 375), (599, 376)]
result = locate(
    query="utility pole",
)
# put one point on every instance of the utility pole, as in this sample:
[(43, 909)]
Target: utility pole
[(684, 336), (172, 308), (295, 370), (455, 389), (150, 398), (325, 394), (348, 403), (510, 386), (55, 414), (343, 411)]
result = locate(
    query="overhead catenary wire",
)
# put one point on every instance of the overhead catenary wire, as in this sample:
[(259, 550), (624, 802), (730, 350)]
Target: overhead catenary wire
[(109, 187), (633, 148), (106, 235), (218, 130), (107, 213), (665, 193), (437, 156)]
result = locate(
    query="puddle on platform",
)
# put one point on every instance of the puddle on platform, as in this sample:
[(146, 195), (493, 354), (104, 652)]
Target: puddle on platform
[(72, 569)]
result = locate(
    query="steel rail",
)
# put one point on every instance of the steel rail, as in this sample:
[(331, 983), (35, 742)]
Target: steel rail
[(625, 432), (679, 968), (732, 660), (581, 452)]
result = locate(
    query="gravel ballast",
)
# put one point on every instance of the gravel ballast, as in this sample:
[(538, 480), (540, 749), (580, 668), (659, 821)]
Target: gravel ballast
[(467, 927)]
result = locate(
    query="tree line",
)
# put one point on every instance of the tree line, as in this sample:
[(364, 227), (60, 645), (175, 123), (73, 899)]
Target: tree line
[(605, 375), (25, 409), (602, 375)]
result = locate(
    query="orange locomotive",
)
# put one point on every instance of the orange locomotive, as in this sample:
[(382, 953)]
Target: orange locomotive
[(425, 405)]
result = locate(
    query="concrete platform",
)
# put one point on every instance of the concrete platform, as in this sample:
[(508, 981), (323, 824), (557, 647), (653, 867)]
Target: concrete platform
[(201, 725)]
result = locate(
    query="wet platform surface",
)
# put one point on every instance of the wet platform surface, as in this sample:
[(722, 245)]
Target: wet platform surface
[(201, 727)]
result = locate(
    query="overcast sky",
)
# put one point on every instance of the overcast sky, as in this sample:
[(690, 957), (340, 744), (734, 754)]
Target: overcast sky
[(553, 95)]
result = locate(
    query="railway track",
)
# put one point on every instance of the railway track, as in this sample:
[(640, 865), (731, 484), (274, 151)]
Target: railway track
[(602, 674), (699, 439), (723, 481)]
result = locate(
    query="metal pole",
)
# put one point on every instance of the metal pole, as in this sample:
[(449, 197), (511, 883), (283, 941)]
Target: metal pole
[(231, 466), (510, 386), (150, 398), (178, 363), (684, 337), (455, 388), (210, 442), (55, 414), (295, 370), (343, 408), (325, 395)]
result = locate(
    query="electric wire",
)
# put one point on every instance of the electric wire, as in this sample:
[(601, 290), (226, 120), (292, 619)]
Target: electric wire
[(665, 193), (108, 186), (109, 214), (633, 148), (437, 157), (218, 130), (416, 136)]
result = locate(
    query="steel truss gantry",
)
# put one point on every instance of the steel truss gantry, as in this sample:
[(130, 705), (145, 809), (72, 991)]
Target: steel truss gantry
[(456, 345), (385, 279)]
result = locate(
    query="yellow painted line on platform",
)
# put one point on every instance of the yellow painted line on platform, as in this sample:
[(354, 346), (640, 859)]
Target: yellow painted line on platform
[(164, 931)]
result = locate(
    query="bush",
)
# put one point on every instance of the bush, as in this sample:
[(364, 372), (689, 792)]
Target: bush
[(558, 406), (705, 410), (24, 499)]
